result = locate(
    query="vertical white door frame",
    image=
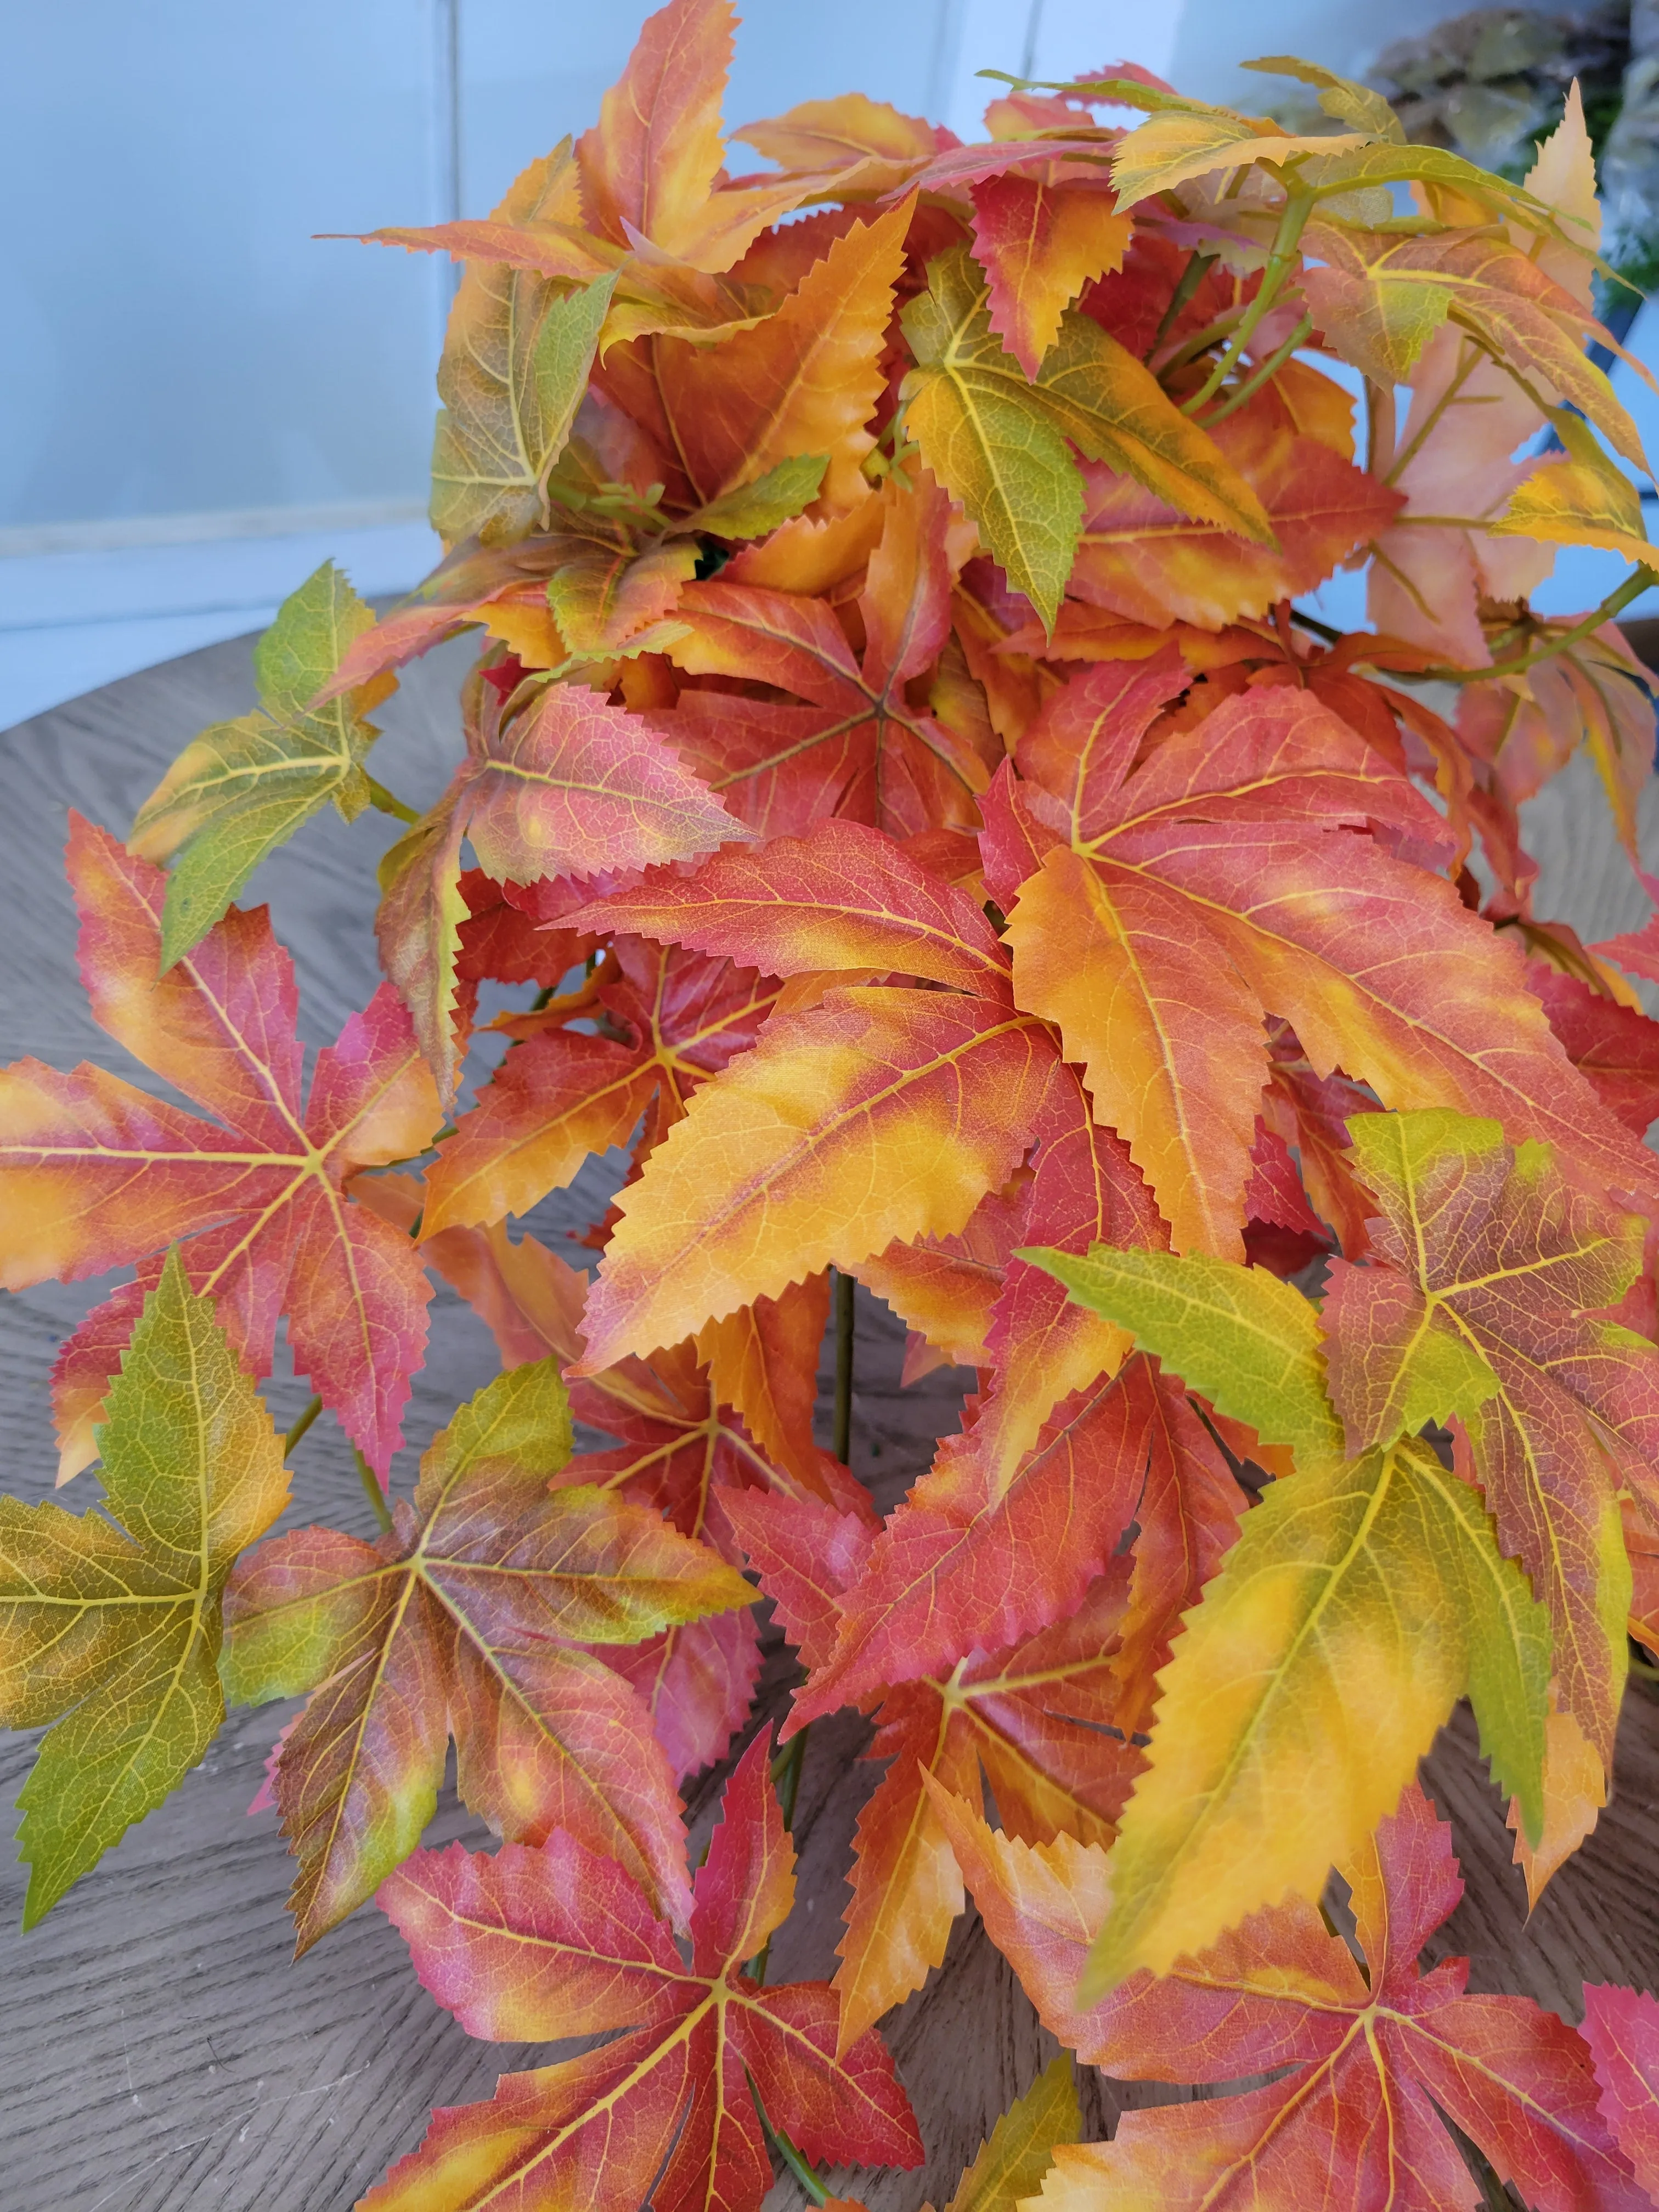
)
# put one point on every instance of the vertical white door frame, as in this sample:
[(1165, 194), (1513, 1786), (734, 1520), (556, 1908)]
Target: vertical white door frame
[(445, 125)]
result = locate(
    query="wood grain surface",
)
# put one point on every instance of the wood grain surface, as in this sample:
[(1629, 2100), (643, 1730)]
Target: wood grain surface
[(159, 2049)]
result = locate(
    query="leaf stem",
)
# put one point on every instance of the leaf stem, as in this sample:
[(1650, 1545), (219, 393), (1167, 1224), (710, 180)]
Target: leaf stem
[(1634, 585), (797, 2165), (785, 1776), (372, 1490), (1258, 377), (1199, 264), (841, 1441), (1298, 206), (301, 1425), (389, 803)]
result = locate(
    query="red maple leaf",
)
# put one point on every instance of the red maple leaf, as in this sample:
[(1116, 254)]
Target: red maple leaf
[(1366, 2057), (855, 744), (632, 1042), (535, 1944), (96, 1174)]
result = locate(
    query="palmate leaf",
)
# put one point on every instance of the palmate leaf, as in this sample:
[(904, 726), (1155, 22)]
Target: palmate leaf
[(846, 898), (563, 1093), (679, 1449), (912, 1102), (1141, 558), (1039, 243), (1020, 2148), (243, 787), (465, 1616), (1179, 901), (1488, 1270), (95, 1174), (110, 1626), (1621, 2027), (1364, 2067), (802, 381), (651, 166), (567, 785), (998, 441), (515, 366), (1379, 298), (535, 1945), (1035, 1715), (858, 747), (1362, 1600), (957, 1563)]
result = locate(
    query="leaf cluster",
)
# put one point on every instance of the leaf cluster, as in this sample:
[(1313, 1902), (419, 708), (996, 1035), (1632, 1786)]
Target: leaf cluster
[(906, 820)]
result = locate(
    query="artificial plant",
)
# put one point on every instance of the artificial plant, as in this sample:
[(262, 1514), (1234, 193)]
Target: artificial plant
[(934, 841)]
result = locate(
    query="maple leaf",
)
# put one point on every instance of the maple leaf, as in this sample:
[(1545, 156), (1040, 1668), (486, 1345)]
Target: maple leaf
[(843, 897), (497, 586), (679, 1450), (857, 747), (96, 1174), (1191, 139), (567, 785), (1020, 2150), (1522, 730), (111, 1621), (1621, 2027), (997, 440), (804, 380), (1614, 1045), (465, 1616), (1039, 243), (1178, 904), (1365, 2060), (515, 364), (881, 1113), (962, 1560), (1455, 469), (1379, 298), (868, 143), (1362, 1598), (762, 1361), (1145, 560), (672, 2106), (243, 787), (651, 167), (670, 1021), (1488, 1270), (1032, 1714)]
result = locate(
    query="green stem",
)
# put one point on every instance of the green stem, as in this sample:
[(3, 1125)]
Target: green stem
[(1634, 585), (1298, 206), (785, 1776), (372, 1489), (1199, 264), (798, 2166), (842, 1441), (301, 1425), (1271, 366), (389, 803)]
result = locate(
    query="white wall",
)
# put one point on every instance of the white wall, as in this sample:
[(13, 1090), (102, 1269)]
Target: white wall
[(197, 396)]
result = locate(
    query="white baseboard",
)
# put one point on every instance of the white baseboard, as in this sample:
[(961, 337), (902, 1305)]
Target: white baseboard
[(87, 603)]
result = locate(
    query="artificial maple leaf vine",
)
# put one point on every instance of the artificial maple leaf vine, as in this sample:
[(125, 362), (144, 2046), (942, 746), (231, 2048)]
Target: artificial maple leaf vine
[(946, 851)]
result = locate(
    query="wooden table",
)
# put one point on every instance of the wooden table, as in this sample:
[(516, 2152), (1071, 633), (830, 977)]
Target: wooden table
[(159, 2051)]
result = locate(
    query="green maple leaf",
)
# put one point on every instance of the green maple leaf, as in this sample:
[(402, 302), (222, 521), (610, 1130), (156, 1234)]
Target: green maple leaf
[(110, 1627), (998, 441), (242, 788), (1363, 1597)]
